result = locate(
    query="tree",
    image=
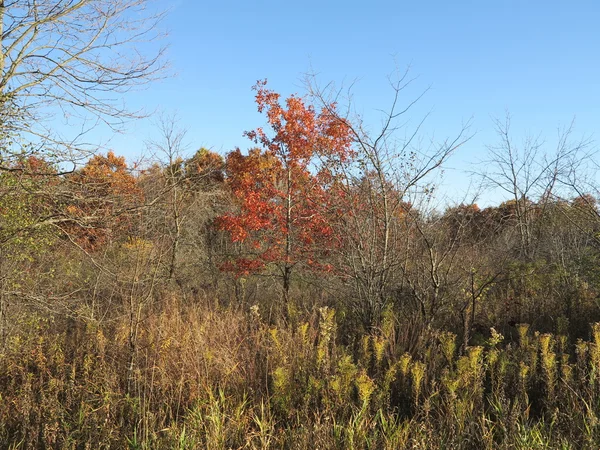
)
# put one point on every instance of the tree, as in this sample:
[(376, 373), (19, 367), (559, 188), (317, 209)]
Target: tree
[(72, 57), (99, 201), (179, 188), (25, 232), (376, 187), (281, 188), (527, 173)]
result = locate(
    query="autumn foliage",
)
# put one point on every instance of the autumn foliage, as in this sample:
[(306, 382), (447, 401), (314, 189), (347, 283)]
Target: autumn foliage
[(306, 293), (102, 195), (281, 188)]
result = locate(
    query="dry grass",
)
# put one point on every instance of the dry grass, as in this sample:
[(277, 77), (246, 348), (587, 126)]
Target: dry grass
[(215, 377)]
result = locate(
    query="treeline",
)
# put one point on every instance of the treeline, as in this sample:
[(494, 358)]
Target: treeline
[(305, 293)]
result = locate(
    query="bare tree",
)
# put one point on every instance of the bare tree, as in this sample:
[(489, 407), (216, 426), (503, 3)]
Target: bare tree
[(184, 192), (170, 150), (530, 174), (392, 164), (74, 58)]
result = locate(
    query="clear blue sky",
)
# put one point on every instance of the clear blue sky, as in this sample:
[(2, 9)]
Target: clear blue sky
[(537, 59)]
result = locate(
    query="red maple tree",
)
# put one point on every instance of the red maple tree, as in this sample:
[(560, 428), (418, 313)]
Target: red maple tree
[(282, 187)]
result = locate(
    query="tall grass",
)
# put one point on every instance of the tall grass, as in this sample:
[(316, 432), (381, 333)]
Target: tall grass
[(217, 377)]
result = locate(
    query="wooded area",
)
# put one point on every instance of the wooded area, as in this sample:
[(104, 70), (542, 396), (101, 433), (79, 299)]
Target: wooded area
[(301, 293), (308, 291)]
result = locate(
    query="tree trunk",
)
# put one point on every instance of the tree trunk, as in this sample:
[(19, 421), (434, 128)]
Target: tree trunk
[(2, 12), (287, 270)]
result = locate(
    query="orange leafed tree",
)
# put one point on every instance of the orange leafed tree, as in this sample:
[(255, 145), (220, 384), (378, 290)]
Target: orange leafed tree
[(102, 193), (282, 187)]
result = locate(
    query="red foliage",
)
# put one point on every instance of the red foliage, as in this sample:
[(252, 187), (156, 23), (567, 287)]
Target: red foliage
[(281, 187)]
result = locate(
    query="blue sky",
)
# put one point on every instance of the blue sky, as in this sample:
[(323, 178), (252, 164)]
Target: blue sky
[(539, 60)]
